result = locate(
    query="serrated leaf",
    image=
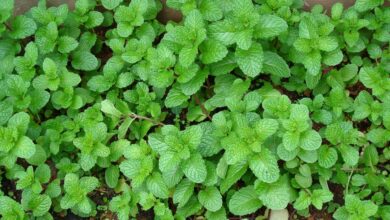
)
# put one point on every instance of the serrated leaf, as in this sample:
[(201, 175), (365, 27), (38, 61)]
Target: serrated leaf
[(275, 195), (310, 140), (195, 169), (84, 60), (212, 51), (210, 198), (265, 166), (112, 176), (156, 185), (270, 26), (111, 4), (67, 44), (234, 173), (108, 107), (175, 98), (275, 65), (23, 27), (244, 201), (183, 192), (25, 148), (327, 157), (250, 61)]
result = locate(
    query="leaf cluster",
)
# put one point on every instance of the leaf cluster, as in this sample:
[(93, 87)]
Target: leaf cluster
[(245, 105)]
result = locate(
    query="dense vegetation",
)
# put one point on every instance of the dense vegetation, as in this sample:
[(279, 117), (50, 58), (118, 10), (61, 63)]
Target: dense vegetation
[(241, 107)]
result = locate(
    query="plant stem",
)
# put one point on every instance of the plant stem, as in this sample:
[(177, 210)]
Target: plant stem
[(204, 110), (307, 191), (135, 116), (349, 180)]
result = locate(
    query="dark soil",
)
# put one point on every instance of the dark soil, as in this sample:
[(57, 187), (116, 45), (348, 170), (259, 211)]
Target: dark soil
[(338, 192), (363, 125), (356, 89), (145, 215), (292, 95), (9, 189)]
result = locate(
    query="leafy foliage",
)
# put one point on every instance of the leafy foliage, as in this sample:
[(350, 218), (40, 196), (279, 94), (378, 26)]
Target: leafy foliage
[(243, 106)]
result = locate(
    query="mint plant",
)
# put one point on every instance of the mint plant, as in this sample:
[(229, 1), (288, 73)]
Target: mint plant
[(241, 108)]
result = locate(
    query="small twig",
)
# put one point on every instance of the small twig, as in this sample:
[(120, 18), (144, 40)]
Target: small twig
[(351, 169), (307, 191), (7, 26), (135, 116), (349, 180), (204, 110)]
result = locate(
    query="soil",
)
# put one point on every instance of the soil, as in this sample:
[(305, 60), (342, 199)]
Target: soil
[(9, 188), (145, 215), (362, 126), (356, 89), (104, 193), (338, 192)]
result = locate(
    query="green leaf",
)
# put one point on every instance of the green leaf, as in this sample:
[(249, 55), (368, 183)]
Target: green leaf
[(327, 43), (95, 19), (187, 55), (183, 192), (275, 195), (310, 140), (210, 198), (265, 166), (224, 66), (67, 44), (321, 196), (275, 65), (41, 98), (49, 67), (20, 121), (99, 84), (350, 155), (327, 157), (6, 111), (111, 4), (6, 9), (234, 173), (112, 176), (270, 26), (303, 201), (333, 58), (365, 5), (23, 27), (84, 60), (312, 62), (308, 28), (157, 143), (244, 201), (374, 79), (175, 98), (195, 169), (10, 209), (355, 208), (43, 173), (25, 148), (290, 141), (108, 107), (212, 51), (157, 186), (39, 204), (337, 10), (220, 214), (250, 61), (210, 10), (42, 205)]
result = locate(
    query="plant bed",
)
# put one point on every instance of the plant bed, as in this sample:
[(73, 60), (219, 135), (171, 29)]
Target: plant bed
[(240, 109)]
